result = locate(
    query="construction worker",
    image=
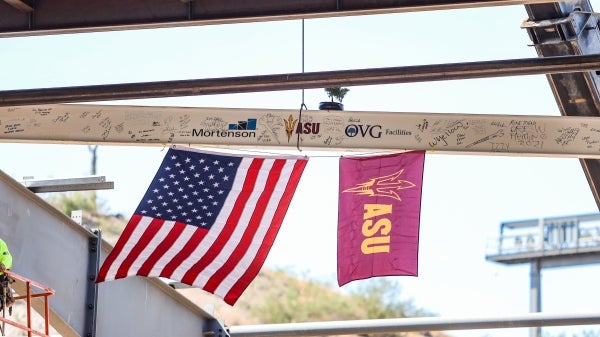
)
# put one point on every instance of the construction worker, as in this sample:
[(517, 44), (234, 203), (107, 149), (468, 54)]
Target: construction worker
[(6, 264), (5, 257)]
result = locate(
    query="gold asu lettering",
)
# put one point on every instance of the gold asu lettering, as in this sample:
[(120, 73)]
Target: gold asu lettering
[(377, 238)]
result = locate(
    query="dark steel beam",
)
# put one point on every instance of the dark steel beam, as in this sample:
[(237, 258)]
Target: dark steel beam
[(570, 28), (70, 16), (293, 81), (20, 5)]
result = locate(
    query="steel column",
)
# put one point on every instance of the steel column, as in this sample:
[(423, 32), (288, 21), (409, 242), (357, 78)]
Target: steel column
[(535, 294), (92, 288), (570, 28)]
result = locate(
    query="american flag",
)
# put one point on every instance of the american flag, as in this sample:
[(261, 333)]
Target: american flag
[(207, 220)]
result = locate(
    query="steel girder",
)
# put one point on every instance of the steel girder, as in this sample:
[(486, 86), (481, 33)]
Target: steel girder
[(36, 17), (296, 81), (570, 28), (556, 29)]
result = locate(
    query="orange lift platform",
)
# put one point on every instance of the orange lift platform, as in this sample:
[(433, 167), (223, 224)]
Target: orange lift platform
[(40, 292)]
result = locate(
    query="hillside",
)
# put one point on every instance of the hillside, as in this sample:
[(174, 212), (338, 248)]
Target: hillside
[(277, 293), (276, 296)]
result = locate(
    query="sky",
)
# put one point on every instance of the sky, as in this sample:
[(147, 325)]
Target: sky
[(465, 197)]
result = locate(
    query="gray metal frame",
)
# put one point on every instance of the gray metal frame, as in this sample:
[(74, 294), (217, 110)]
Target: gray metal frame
[(91, 300), (557, 29), (30, 17), (310, 80), (357, 327), (570, 28)]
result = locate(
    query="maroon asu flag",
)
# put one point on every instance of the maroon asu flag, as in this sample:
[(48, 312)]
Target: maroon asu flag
[(378, 216)]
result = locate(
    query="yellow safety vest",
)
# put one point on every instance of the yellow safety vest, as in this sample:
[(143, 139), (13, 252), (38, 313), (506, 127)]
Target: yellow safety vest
[(5, 256)]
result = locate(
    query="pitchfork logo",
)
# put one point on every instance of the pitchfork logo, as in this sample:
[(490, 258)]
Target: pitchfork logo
[(290, 124), (386, 186)]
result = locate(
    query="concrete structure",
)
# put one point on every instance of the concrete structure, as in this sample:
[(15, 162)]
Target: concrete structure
[(52, 249)]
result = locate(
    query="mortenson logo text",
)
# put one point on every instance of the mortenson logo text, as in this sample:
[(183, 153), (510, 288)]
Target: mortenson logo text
[(241, 129)]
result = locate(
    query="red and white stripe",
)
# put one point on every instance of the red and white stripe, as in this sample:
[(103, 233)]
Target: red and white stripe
[(226, 258)]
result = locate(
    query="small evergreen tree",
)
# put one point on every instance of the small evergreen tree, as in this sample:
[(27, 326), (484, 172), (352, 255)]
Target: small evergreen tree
[(337, 93)]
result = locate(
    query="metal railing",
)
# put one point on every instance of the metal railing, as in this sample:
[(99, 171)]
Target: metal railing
[(393, 325), (42, 292), (523, 243)]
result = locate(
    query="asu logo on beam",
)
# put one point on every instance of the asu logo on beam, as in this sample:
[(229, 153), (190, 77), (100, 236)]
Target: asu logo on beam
[(307, 128)]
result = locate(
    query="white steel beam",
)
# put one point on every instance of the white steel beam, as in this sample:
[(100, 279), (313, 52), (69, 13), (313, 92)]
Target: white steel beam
[(68, 184), (573, 136), (359, 327)]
